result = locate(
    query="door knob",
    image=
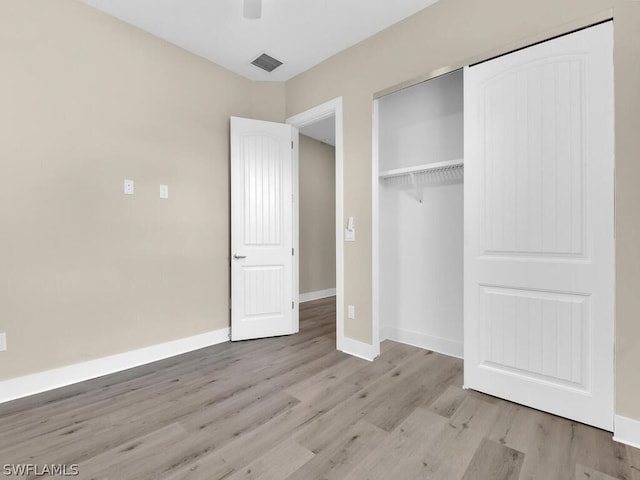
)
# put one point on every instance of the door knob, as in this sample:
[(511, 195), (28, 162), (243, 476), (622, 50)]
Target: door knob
[(239, 257)]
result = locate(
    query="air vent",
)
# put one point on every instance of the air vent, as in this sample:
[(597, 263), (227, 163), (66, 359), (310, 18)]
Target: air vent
[(266, 63)]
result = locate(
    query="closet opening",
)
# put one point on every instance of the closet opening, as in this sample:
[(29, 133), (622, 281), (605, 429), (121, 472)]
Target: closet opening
[(418, 258), (515, 261)]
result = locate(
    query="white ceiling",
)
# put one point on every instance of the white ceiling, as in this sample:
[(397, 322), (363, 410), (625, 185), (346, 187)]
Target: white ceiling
[(322, 130), (300, 33)]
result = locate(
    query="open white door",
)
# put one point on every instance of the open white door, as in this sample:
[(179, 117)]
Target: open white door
[(539, 232), (262, 240)]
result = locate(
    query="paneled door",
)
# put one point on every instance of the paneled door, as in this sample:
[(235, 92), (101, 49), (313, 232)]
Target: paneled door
[(539, 226), (262, 267)]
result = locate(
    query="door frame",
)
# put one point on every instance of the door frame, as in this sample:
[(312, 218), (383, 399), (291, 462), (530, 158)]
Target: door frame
[(317, 113), (375, 225)]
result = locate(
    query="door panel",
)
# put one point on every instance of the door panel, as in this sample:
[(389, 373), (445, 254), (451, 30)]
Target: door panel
[(539, 247), (535, 179), (537, 334), (261, 229)]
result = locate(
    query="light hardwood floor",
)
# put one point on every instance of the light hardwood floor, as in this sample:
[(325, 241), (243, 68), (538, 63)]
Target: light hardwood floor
[(295, 408)]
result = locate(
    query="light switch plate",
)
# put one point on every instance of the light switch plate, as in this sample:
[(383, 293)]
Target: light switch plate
[(128, 187), (164, 191), (349, 235), (351, 312), (3, 342)]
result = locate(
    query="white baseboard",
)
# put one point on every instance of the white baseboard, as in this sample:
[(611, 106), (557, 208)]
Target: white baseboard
[(627, 431), (317, 295), (359, 349), (446, 346), (60, 377)]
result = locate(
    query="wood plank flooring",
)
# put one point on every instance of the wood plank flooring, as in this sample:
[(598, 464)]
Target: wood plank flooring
[(295, 408)]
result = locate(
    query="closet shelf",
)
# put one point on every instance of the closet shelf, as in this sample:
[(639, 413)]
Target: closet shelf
[(427, 167)]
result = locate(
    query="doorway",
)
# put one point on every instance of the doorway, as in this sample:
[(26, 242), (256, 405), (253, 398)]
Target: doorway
[(325, 123), (316, 208)]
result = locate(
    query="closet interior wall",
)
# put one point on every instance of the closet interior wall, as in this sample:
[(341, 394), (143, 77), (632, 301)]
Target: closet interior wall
[(421, 216)]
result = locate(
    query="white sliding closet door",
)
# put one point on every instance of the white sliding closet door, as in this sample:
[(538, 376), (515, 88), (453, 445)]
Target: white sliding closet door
[(539, 231)]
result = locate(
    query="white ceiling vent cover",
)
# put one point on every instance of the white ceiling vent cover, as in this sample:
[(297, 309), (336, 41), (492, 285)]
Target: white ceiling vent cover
[(266, 62)]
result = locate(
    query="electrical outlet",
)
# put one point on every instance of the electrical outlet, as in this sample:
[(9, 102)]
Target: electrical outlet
[(3, 342), (164, 191), (128, 186), (351, 312)]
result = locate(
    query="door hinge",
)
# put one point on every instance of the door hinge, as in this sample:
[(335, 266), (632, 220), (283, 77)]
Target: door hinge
[(291, 144), (292, 305), (293, 252)]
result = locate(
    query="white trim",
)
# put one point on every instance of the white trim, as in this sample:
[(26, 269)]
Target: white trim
[(295, 177), (359, 349), (317, 295), (445, 346), (375, 231), (60, 377), (626, 430), (320, 112)]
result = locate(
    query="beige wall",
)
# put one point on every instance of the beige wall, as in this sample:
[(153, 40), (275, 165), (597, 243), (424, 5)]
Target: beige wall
[(87, 101), (455, 32), (317, 215), (627, 120), (268, 101)]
